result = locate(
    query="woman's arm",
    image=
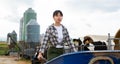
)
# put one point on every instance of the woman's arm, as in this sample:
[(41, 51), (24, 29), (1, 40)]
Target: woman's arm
[(45, 41), (43, 45)]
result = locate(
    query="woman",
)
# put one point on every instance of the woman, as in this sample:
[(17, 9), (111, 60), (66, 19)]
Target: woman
[(56, 34)]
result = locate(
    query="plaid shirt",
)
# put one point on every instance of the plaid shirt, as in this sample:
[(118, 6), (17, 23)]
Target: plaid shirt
[(51, 35)]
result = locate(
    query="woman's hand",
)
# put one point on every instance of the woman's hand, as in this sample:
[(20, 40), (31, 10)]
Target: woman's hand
[(40, 56)]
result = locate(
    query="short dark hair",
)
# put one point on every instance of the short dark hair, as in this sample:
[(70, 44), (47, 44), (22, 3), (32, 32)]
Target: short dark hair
[(55, 13)]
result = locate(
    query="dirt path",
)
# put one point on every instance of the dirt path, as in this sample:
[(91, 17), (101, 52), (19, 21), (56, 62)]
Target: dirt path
[(11, 60)]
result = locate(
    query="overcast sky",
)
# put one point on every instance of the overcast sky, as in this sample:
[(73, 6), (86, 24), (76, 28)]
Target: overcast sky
[(81, 17)]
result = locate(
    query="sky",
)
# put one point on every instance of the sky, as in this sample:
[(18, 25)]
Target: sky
[(81, 17)]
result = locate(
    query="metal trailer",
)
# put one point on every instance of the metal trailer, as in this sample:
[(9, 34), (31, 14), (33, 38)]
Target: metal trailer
[(90, 57)]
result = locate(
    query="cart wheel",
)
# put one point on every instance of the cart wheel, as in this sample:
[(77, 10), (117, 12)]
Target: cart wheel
[(93, 60)]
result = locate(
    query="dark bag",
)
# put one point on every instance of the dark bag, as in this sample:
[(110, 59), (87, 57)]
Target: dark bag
[(100, 45)]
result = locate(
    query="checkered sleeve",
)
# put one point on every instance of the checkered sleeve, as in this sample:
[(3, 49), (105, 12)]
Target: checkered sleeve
[(71, 45), (45, 40)]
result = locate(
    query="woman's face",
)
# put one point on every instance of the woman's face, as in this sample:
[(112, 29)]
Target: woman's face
[(58, 18)]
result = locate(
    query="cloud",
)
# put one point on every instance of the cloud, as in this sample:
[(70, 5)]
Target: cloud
[(10, 14), (89, 25), (91, 5), (81, 17), (10, 9)]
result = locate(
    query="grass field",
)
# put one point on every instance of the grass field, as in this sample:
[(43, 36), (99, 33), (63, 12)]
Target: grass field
[(3, 48)]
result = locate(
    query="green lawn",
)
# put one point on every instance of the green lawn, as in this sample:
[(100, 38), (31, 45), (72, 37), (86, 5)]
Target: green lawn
[(3, 48)]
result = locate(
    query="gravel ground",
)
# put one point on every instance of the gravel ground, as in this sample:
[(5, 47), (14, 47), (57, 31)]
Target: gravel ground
[(11, 60)]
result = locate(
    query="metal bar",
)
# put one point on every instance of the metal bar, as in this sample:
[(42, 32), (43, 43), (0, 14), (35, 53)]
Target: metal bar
[(109, 42), (114, 38)]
